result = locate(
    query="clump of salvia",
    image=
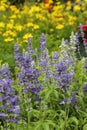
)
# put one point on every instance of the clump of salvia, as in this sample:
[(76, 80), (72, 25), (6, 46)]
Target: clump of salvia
[(9, 100)]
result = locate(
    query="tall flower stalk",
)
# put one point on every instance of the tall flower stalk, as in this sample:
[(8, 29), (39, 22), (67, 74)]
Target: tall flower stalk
[(9, 100), (28, 78)]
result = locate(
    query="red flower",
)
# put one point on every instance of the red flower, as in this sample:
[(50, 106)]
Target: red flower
[(84, 27)]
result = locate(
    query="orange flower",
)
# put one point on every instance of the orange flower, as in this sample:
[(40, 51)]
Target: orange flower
[(46, 1), (48, 4)]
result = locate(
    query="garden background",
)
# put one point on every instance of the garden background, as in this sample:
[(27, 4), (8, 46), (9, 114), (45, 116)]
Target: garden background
[(43, 64)]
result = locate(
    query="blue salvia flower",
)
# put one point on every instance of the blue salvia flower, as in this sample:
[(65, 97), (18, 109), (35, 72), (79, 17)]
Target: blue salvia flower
[(42, 42), (45, 65), (55, 56), (72, 100), (30, 48), (9, 102), (64, 68), (85, 88), (76, 40), (66, 78), (61, 67), (44, 60), (62, 76), (67, 56), (28, 76), (66, 42), (17, 55), (5, 72), (65, 81)]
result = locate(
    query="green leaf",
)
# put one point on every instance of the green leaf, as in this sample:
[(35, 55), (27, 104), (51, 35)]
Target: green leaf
[(48, 95), (34, 113), (38, 125), (61, 124), (50, 122), (85, 127), (73, 119), (56, 94), (46, 126)]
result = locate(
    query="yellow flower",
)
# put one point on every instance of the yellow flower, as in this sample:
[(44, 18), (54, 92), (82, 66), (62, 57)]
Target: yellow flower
[(72, 20), (9, 26), (58, 3), (34, 9), (29, 24), (40, 17), (68, 2), (77, 8), (13, 16), (25, 9), (58, 8), (3, 5), (27, 35), (47, 5), (19, 16), (3, 1), (9, 39), (59, 26), (18, 27), (2, 8), (14, 9), (69, 5), (35, 26), (8, 32), (83, 7), (68, 8), (50, 1), (11, 21), (2, 25)]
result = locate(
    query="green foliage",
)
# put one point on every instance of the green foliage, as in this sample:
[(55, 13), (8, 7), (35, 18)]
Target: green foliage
[(49, 114), (85, 127)]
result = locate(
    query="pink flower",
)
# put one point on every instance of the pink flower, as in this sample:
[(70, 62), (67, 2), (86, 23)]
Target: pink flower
[(85, 41)]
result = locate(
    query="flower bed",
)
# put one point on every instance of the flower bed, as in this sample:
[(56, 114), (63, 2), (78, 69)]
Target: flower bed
[(46, 92), (44, 87)]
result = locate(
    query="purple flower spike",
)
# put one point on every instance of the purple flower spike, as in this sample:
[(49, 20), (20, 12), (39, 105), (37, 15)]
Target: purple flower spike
[(55, 56), (17, 54), (85, 88), (42, 42), (8, 98), (30, 48), (74, 99)]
